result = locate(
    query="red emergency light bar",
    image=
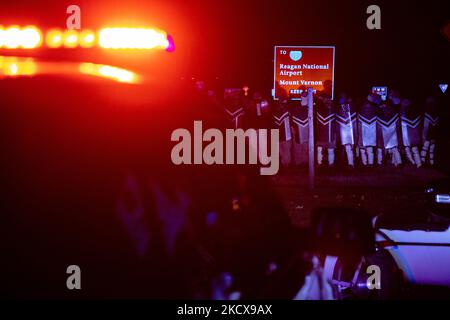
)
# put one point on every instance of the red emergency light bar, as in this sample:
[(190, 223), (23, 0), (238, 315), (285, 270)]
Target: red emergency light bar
[(30, 37)]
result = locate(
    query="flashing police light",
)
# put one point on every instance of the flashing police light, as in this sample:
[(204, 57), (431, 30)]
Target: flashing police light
[(132, 38), (87, 39), (15, 37), (30, 37)]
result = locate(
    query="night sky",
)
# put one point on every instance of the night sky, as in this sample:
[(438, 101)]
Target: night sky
[(409, 50), (233, 40)]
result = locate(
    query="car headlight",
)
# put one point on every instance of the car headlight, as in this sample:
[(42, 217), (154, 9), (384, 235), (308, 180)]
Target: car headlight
[(442, 198)]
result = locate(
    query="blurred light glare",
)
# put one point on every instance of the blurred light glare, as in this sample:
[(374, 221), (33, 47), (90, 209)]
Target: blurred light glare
[(87, 39), (31, 37), (54, 38), (116, 73), (110, 72), (12, 69), (70, 38), (2, 30), (15, 37), (14, 66), (11, 37), (132, 38)]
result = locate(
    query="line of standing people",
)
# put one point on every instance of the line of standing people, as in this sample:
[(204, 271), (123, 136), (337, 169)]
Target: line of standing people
[(374, 132)]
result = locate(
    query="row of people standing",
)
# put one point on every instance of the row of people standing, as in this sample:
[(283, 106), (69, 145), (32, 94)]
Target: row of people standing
[(375, 131)]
